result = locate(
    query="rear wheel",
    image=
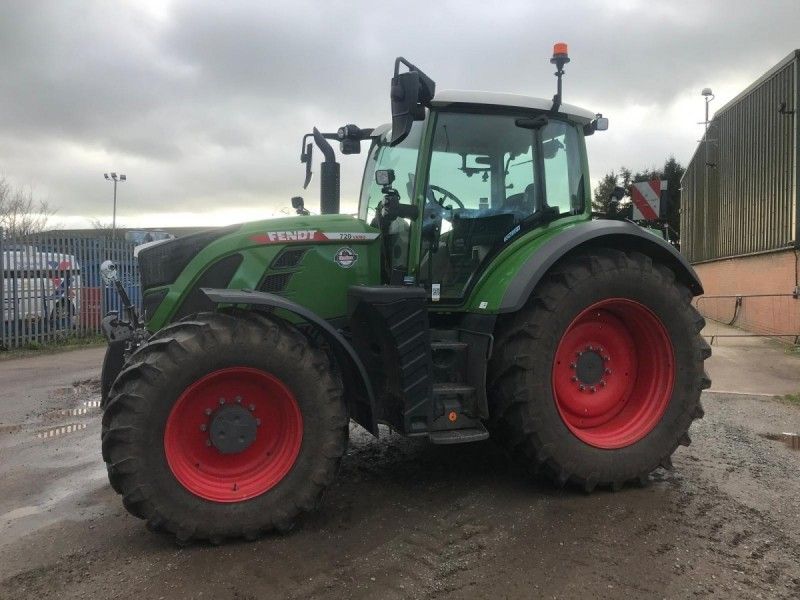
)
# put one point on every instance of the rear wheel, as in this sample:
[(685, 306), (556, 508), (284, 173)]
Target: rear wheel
[(224, 426), (597, 380)]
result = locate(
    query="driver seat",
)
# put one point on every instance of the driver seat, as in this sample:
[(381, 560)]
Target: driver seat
[(526, 203)]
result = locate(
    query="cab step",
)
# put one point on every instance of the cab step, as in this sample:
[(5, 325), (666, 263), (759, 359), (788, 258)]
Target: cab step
[(459, 436)]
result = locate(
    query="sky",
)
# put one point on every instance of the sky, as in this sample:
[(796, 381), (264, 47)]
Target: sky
[(202, 104)]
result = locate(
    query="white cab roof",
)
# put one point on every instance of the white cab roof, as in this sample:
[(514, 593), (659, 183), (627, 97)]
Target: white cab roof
[(446, 97)]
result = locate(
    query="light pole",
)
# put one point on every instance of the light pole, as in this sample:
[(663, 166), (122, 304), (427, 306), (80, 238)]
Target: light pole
[(708, 96), (121, 177)]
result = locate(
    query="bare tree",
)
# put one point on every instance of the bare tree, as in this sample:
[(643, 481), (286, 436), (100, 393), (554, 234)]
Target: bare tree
[(101, 225), (20, 213)]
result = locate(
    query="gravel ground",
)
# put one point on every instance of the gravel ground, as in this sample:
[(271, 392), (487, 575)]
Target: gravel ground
[(409, 520)]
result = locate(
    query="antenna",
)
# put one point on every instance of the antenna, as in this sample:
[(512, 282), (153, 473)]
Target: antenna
[(560, 58)]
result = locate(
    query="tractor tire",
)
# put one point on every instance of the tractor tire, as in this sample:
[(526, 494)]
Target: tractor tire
[(254, 378), (596, 381)]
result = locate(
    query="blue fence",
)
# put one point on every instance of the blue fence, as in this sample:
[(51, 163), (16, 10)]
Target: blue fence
[(51, 286)]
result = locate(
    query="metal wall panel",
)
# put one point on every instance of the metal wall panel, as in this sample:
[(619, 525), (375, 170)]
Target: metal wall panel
[(751, 203)]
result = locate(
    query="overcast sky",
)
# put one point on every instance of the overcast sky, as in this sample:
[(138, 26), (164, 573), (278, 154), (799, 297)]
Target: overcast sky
[(203, 103)]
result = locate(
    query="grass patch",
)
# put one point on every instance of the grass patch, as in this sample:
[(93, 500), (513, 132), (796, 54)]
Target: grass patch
[(793, 398), (72, 342)]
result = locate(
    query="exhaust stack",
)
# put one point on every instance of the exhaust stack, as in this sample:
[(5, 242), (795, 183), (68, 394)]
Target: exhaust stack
[(329, 177)]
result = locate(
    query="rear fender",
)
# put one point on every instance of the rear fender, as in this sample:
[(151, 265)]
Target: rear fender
[(607, 234), (358, 389)]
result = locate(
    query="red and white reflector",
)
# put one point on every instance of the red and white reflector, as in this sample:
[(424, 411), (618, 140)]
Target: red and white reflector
[(646, 197)]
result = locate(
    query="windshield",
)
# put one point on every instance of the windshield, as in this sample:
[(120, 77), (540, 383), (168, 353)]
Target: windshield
[(402, 158)]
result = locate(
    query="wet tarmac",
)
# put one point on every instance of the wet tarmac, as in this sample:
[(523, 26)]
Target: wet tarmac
[(409, 520)]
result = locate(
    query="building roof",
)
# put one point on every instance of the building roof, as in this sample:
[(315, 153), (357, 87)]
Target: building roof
[(794, 54), (447, 97)]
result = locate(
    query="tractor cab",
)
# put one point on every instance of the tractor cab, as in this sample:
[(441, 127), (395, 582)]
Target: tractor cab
[(458, 176), (479, 169)]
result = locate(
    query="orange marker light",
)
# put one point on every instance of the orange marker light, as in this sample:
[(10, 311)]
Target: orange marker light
[(452, 416), (560, 48)]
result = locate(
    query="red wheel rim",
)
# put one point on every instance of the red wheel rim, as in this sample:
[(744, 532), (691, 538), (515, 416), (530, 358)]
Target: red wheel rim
[(613, 373), (233, 477)]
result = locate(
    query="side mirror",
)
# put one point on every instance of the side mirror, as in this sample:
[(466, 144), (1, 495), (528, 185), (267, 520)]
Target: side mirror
[(410, 93), (384, 177), (108, 271), (600, 123)]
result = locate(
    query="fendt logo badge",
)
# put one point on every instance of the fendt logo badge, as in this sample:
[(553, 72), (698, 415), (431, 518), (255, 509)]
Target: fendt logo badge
[(304, 235), (345, 257), (312, 235)]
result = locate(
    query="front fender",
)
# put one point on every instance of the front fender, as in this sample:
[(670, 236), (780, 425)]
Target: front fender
[(610, 234), (353, 371)]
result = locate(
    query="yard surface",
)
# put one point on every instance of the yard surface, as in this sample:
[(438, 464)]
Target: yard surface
[(406, 519)]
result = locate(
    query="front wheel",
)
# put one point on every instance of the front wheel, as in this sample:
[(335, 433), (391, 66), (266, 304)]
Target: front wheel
[(224, 426), (598, 379)]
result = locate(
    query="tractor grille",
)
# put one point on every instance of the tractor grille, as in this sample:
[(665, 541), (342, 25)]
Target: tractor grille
[(275, 283), (162, 263), (288, 258)]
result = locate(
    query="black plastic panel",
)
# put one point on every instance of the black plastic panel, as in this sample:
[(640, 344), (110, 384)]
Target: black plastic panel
[(151, 301), (390, 332), (217, 275)]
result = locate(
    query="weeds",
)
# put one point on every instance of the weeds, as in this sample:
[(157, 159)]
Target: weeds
[(58, 345)]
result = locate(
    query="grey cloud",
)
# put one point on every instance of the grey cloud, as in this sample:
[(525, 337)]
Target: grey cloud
[(205, 106)]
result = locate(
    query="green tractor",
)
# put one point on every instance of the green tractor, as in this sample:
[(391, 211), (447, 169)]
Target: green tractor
[(474, 294)]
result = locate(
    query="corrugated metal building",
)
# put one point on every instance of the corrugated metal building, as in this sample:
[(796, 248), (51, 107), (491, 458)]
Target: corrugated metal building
[(740, 214)]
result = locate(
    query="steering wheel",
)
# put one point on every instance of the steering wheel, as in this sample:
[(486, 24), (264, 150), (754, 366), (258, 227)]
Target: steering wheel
[(445, 194)]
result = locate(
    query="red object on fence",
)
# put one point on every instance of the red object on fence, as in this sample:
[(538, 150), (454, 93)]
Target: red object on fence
[(91, 308)]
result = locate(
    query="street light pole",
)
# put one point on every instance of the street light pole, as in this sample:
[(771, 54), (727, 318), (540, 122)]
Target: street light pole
[(115, 178)]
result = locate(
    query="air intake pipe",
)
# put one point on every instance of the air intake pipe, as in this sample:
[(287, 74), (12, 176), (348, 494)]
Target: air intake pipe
[(329, 177)]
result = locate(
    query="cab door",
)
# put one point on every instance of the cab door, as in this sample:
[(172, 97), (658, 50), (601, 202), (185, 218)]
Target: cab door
[(490, 177)]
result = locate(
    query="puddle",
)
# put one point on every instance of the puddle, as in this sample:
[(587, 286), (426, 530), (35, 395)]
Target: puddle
[(59, 431), (87, 407), (790, 439), (87, 386)]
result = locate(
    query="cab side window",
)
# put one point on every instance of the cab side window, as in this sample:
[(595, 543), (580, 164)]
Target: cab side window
[(489, 177), (562, 167)]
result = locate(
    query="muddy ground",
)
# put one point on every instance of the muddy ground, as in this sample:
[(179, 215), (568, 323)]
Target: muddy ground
[(410, 520)]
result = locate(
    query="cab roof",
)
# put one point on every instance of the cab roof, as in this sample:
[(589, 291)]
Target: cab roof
[(448, 97)]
